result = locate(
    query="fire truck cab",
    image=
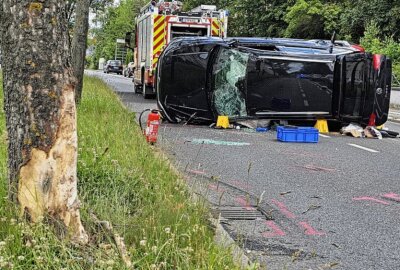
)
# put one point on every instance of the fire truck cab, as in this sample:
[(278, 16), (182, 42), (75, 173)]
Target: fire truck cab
[(160, 22)]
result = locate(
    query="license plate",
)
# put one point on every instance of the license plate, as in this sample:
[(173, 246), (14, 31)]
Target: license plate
[(190, 20)]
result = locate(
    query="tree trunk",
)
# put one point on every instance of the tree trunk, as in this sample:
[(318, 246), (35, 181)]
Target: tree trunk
[(79, 44), (39, 102)]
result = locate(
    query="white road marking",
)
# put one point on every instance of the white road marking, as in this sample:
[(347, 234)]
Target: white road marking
[(324, 136), (304, 95), (363, 148), (306, 103)]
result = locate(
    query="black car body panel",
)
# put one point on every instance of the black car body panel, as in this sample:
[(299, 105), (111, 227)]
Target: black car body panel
[(255, 78)]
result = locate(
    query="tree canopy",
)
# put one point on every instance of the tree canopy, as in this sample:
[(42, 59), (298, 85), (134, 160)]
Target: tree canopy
[(309, 19)]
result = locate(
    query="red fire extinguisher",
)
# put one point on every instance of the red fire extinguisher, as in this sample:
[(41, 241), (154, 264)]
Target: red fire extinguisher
[(153, 123)]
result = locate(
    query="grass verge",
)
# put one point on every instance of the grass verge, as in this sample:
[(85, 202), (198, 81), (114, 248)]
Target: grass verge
[(123, 181)]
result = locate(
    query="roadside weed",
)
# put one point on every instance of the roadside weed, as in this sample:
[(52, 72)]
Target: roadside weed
[(123, 181)]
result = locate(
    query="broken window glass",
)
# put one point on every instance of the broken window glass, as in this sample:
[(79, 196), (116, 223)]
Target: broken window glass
[(229, 83)]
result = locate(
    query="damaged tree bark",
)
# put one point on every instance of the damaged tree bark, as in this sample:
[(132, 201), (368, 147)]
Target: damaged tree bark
[(40, 113)]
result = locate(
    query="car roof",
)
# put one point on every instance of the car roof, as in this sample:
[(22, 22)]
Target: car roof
[(315, 46)]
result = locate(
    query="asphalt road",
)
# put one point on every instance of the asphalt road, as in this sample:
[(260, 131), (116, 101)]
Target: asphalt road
[(331, 205), (395, 97)]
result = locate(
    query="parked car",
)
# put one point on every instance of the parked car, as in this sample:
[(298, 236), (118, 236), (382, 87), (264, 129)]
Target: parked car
[(264, 78), (128, 71), (113, 66)]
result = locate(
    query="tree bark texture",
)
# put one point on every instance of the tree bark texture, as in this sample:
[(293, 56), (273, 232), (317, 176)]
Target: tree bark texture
[(39, 101), (79, 44)]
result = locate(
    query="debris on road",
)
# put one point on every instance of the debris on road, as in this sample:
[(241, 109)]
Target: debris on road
[(316, 197), (371, 132), (214, 142), (312, 207), (260, 129), (389, 134), (317, 168), (354, 130), (297, 134)]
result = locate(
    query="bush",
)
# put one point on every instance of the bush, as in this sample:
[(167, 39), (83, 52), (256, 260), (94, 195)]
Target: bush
[(388, 46)]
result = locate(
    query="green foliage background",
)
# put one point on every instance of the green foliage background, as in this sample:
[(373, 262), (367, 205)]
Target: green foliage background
[(111, 25), (373, 23)]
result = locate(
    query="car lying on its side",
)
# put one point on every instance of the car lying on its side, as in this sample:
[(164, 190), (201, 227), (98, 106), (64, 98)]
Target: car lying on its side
[(265, 78), (113, 66)]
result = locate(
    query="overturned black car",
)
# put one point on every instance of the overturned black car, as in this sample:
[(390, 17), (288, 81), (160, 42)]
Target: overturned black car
[(260, 78)]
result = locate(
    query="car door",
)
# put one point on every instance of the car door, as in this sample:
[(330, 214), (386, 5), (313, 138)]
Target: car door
[(355, 87), (381, 88)]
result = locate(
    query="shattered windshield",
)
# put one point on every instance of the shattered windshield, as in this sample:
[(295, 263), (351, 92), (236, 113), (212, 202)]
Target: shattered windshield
[(229, 83)]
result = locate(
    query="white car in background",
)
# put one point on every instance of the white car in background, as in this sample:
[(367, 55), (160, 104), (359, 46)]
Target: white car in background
[(128, 71)]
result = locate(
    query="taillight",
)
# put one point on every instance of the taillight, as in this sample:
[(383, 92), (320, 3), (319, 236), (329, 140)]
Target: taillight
[(358, 47), (372, 120), (377, 58)]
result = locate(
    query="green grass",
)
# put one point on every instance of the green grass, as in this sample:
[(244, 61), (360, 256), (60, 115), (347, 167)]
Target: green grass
[(124, 181)]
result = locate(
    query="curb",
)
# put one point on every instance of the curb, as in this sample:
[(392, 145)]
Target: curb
[(223, 239), (221, 236)]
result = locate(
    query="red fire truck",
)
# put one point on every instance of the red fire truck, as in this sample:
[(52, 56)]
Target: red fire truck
[(158, 23)]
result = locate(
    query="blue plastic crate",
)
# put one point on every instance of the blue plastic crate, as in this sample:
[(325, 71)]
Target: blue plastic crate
[(298, 134)]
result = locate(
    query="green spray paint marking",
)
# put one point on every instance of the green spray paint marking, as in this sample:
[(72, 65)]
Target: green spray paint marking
[(206, 141)]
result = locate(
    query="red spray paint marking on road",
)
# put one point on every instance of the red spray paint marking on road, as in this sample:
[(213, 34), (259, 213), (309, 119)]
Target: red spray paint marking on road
[(243, 202), (392, 196), (371, 199), (216, 188), (308, 230), (282, 207), (276, 231)]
